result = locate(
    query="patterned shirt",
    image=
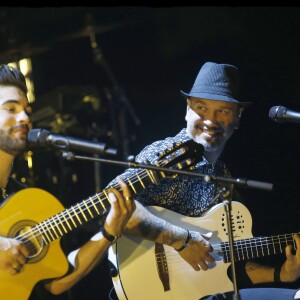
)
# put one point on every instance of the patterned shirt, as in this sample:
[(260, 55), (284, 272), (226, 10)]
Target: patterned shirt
[(184, 194)]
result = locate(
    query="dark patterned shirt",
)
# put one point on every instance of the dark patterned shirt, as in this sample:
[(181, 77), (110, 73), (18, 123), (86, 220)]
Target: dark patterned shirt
[(187, 195)]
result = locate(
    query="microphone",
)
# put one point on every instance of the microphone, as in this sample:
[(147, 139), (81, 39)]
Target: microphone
[(42, 138), (282, 114)]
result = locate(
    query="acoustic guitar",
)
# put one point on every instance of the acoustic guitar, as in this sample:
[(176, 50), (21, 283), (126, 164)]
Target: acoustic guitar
[(147, 270)]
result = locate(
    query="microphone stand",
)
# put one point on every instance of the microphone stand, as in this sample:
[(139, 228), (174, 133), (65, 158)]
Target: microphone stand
[(117, 91), (225, 194), (236, 181)]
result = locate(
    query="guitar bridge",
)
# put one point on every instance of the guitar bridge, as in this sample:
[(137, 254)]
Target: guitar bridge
[(162, 266)]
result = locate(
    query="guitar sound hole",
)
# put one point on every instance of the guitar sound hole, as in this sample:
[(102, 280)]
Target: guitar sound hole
[(33, 240)]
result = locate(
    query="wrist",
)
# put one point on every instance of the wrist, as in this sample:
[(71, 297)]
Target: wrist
[(277, 271), (111, 238), (185, 243)]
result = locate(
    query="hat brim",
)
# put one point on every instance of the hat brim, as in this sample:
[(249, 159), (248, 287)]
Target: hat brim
[(215, 97)]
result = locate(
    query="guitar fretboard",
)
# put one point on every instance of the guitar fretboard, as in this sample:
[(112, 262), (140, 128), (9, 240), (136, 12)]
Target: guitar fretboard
[(257, 247), (180, 156), (81, 213)]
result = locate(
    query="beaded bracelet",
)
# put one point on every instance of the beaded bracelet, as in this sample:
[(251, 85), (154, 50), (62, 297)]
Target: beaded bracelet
[(186, 241), (277, 274)]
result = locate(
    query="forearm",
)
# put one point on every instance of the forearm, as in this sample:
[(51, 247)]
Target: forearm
[(92, 252), (150, 227), (88, 256), (192, 246), (259, 273)]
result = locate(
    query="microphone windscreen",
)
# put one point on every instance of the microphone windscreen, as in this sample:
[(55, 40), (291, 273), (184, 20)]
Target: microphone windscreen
[(38, 136), (277, 113)]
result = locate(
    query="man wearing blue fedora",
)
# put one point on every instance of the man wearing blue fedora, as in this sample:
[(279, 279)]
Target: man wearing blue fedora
[(213, 113)]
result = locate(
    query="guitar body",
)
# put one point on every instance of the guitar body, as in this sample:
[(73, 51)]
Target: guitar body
[(23, 210), (136, 262)]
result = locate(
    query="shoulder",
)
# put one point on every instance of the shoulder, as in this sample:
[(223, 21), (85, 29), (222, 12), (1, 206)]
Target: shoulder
[(152, 151), (222, 168), (16, 185)]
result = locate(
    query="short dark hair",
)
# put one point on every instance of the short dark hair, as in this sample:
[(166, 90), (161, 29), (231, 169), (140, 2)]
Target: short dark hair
[(12, 76)]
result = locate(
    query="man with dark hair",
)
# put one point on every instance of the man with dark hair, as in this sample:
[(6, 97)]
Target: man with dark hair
[(14, 126)]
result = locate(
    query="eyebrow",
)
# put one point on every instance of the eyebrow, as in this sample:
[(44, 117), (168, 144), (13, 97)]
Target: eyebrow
[(222, 107), (12, 101)]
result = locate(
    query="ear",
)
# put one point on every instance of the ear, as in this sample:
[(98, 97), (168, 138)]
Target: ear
[(187, 111), (237, 126), (188, 102), (241, 109)]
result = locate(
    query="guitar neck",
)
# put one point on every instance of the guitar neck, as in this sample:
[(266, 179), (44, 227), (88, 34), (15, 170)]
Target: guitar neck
[(90, 208), (183, 155), (258, 247)]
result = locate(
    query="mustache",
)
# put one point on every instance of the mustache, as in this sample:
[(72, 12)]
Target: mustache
[(21, 126), (215, 128)]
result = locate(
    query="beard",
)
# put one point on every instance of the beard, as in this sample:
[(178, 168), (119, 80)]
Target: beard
[(11, 145), (209, 145)]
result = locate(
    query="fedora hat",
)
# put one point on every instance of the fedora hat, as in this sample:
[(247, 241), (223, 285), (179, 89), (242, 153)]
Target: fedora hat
[(217, 82)]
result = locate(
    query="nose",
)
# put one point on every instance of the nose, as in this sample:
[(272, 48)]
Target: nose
[(23, 117), (210, 118)]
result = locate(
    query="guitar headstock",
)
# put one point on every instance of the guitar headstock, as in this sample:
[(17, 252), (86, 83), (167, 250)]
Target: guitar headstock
[(181, 156)]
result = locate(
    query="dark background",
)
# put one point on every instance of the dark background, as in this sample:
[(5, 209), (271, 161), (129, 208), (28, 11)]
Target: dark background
[(147, 54)]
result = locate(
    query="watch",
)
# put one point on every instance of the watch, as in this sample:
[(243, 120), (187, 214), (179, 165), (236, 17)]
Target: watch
[(111, 238)]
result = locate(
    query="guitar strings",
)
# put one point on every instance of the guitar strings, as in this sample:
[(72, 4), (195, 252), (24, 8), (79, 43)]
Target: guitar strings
[(251, 244), (63, 218), (243, 249), (52, 224), (259, 246)]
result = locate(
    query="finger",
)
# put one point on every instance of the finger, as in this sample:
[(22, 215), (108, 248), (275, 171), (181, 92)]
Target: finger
[(124, 187), (288, 251), (13, 271), (129, 202), (16, 267), (207, 235), (22, 259), (112, 197), (116, 204), (111, 223), (120, 206), (203, 265), (22, 255), (121, 200), (297, 240), (209, 259), (25, 253), (195, 266)]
